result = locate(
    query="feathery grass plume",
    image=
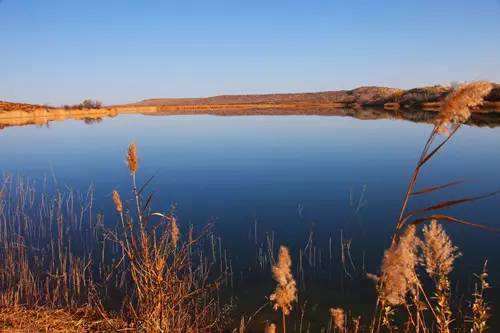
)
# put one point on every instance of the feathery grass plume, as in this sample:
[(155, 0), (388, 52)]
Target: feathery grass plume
[(438, 251), (117, 201), (480, 309), (338, 319), (132, 160), (286, 290), (174, 230), (438, 255), (456, 107), (398, 275), (442, 309), (356, 323), (270, 328), (373, 277)]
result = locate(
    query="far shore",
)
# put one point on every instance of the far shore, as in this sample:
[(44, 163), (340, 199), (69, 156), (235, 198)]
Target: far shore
[(481, 117), (390, 102)]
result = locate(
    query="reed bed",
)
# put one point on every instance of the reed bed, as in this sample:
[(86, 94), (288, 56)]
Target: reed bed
[(58, 259), (420, 251), (62, 268)]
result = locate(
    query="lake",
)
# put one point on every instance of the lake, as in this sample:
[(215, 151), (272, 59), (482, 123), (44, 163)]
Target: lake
[(287, 175)]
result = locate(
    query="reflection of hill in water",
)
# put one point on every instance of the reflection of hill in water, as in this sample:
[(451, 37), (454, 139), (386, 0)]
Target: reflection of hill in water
[(481, 119), (414, 115)]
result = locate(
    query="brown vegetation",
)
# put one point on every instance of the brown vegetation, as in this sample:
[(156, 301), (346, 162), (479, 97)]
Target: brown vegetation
[(359, 97), (9, 106), (393, 98), (62, 268)]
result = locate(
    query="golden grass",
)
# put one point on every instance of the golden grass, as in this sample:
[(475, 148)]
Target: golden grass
[(38, 319), (456, 107), (286, 290), (338, 319), (400, 284), (63, 269), (132, 159), (57, 258), (480, 309)]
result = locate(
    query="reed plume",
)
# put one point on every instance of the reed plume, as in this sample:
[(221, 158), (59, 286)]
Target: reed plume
[(456, 107), (398, 275), (286, 290), (439, 254), (438, 251), (338, 319), (174, 231), (117, 201), (356, 324), (480, 309), (132, 160), (271, 328), (173, 288)]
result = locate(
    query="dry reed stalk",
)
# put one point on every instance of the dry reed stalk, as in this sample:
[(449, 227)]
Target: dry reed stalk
[(438, 251), (44, 248), (398, 278), (456, 107), (356, 324), (286, 290), (394, 286), (439, 254), (55, 253), (173, 288), (454, 111), (175, 233), (117, 201), (270, 328), (132, 159), (337, 316), (40, 319), (480, 309), (398, 275)]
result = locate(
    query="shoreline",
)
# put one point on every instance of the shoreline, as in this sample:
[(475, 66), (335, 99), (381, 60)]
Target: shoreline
[(43, 116), (427, 98)]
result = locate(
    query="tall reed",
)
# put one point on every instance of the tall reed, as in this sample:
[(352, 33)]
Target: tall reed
[(151, 272), (57, 254), (286, 290), (399, 266), (172, 286)]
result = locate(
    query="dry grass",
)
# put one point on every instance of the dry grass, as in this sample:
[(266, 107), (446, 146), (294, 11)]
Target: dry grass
[(38, 319), (338, 319), (399, 276), (63, 269), (457, 106), (169, 279), (57, 258), (286, 290), (480, 309)]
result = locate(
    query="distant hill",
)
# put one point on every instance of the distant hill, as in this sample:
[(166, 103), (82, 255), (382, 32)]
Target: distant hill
[(389, 98), (363, 96), (378, 95), (9, 106), (361, 101)]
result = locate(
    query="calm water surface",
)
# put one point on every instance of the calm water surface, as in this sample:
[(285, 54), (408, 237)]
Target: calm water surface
[(292, 174)]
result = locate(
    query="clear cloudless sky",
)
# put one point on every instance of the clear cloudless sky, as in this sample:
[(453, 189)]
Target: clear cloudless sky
[(62, 51)]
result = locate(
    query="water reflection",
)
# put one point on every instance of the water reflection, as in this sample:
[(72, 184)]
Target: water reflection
[(483, 119), (338, 174)]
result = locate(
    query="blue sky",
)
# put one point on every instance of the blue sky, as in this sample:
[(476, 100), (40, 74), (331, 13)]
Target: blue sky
[(126, 50)]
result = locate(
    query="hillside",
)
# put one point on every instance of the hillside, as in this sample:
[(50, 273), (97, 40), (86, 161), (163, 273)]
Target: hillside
[(9, 106), (363, 96), (427, 98), (379, 95)]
